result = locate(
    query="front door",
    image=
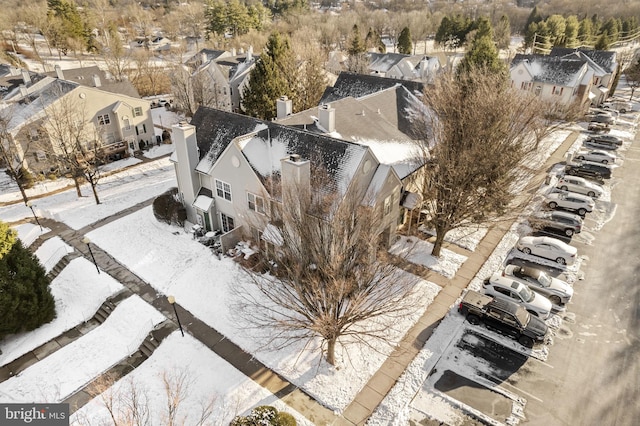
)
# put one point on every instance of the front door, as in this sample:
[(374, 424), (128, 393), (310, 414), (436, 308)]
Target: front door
[(207, 221)]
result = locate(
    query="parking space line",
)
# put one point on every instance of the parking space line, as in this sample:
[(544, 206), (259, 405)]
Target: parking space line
[(499, 383)]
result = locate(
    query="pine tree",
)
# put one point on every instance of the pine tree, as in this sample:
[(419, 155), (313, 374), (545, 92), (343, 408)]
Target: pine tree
[(603, 42), (373, 40), (482, 54), (502, 32), (25, 298), (273, 76), (7, 239), (405, 46), (358, 61)]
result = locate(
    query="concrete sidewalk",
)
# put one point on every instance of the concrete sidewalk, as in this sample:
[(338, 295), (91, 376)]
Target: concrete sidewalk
[(386, 377)]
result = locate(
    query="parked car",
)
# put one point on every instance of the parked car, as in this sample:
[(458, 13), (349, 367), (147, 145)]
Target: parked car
[(504, 316), (604, 139), (570, 201), (596, 155), (622, 106), (580, 185), (549, 248), (599, 128), (603, 118), (507, 288), (567, 223), (557, 291), (588, 170)]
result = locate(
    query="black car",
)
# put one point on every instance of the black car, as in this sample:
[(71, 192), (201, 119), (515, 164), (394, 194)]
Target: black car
[(504, 316), (585, 169)]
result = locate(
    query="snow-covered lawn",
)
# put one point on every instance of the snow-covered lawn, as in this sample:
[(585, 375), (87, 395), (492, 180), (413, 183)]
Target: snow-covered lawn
[(116, 192), (51, 252), (65, 371), (467, 237), (418, 251), (158, 150), (203, 284), (78, 291), (209, 378), (28, 233)]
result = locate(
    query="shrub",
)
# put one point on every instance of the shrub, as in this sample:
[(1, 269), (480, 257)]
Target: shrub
[(25, 298), (168, 209), (265, 415)]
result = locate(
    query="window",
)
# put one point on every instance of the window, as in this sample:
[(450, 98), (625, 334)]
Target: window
[(502, 291), (127, 123), (509, 319), (141, 129), (223, 190), (387, 206), (537, 90), (557, 90), (227, 222), (104, 119), (256, 203), (137, 111)]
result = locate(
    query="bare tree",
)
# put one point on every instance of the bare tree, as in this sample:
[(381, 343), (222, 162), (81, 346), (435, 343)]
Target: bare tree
[(632, 75), (477, 134), (321, 278), (198, 89), (131, 403), (74, 142), (11, 153), (117, 57)]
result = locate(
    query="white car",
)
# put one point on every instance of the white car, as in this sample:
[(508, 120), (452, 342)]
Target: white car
[(557, 291), (570, 201), (549, 248), (580, 185), (596, 155), (508, 288)]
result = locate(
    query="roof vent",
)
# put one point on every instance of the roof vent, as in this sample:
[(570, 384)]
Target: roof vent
[(294, 157)]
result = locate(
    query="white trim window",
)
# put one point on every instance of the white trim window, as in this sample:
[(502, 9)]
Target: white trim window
[(137, 111), (227, 222), (223, 190), (255, 202), (387, 205), (103, 120)]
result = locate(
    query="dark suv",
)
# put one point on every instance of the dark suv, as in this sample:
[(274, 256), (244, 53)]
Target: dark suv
[(603, 142), (504, 316), (596, 172), (567, 223)]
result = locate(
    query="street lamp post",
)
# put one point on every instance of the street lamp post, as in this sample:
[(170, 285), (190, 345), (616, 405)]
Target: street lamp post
[(172, 302), (87, 241), (30, 205)]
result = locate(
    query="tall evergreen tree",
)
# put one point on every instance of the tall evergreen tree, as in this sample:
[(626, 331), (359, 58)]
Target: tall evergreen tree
[(585, 31), (273, 76), (482, 55), (65, 23), (502, 33), (25, 299), (572, 26), (357, 51), (603, 42), (405, 46), (373, 40)]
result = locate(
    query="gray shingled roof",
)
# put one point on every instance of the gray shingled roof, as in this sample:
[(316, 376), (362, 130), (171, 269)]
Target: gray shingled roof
[(604, 58), (359, 85), (552, 69), (383, 62), (84, 77)]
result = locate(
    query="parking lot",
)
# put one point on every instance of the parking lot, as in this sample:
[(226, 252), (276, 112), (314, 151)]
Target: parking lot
[(588, 370)]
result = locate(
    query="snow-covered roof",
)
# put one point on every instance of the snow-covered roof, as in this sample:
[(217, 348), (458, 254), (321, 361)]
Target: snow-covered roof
[(358, 85), (383, 62), (553, 70), (203, 203), (605, 59), (376, 184)]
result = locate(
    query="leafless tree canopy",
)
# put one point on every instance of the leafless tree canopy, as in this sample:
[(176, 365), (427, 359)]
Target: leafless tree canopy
[(321, 278), (478, 132)]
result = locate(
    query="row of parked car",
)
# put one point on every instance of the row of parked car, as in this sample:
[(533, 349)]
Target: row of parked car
[(517, 300)]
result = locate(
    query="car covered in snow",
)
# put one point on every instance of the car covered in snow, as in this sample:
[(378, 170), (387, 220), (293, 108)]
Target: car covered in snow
[(557, 291), (548, 248), (507, 288)]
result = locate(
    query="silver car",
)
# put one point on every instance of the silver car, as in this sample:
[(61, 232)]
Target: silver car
[(579, 203), (557, 291), (580, 185)]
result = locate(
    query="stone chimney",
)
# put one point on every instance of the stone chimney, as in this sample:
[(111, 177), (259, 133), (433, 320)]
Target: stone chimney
[(23, 91), (59, 73), (295, 178), (203, 58), (284, 106), (249, 56), (184, 139), (96, 80), (327, 118), (26, 77)]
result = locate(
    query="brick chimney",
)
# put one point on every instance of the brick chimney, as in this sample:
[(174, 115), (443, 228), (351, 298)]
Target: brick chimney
[(327, 118), (284, 106)]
